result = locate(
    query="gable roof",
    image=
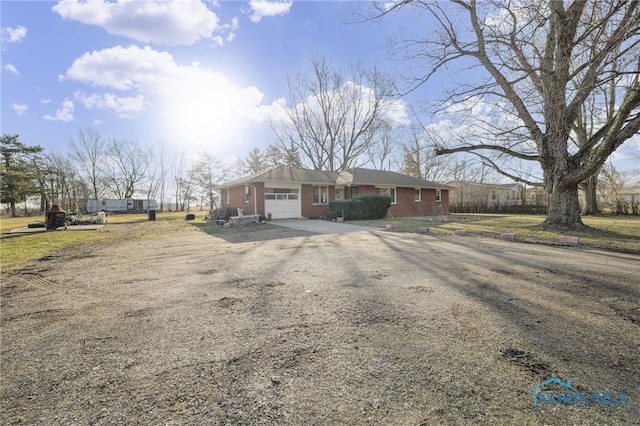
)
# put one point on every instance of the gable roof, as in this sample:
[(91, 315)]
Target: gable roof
[(382, 177), (286, 174), (356, 176)]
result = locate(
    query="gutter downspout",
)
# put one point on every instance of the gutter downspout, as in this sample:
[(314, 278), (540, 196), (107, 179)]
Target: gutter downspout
[(255, 199)]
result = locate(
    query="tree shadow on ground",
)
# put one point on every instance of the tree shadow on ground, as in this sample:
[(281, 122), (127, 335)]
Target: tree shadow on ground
[(251, 233)]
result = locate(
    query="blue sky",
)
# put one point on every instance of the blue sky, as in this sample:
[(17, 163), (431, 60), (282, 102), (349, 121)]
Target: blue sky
[(203, 76)]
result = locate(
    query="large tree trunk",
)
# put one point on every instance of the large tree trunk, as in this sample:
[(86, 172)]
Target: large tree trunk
[(590, 196), (564, 209)]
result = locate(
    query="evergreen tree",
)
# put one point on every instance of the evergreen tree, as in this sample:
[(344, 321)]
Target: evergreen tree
[(18, 171)]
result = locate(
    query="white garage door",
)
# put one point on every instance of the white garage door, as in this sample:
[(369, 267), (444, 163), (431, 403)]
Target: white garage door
[(282, 202)]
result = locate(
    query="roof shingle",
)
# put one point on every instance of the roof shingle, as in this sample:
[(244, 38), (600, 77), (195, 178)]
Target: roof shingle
[(358, 176)]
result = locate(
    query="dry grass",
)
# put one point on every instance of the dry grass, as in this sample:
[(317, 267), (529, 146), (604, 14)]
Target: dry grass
[(18, 250), (620, 233)]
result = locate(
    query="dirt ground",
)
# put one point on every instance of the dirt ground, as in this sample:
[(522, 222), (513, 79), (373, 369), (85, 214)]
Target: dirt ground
[(284, 327)]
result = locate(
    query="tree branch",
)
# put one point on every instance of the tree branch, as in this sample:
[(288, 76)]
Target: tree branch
[(487, 161), (472, 148)]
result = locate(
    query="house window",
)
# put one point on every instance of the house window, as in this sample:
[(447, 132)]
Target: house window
[(438, 195), (320, 194), (354, 191), (280, 194), (246, 194), (389, 192), (228, 191), (417, 196)]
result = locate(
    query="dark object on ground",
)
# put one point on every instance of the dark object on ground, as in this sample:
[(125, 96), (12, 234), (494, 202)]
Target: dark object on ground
[(190, 217), (55, 218), (36, 225)]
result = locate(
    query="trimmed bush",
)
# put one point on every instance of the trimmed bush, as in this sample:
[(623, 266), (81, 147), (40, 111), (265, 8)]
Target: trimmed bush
[(360, 208)]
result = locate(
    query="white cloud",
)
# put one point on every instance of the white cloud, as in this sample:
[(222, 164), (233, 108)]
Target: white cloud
[(264, 8), (185, 102), (19, 108), (168, 22), (396, 112), (123, 68), (123, 107), (45, 101), (391, 4), (11, 68), (474, 106), (13, 34), (144, 70), (64, 113)]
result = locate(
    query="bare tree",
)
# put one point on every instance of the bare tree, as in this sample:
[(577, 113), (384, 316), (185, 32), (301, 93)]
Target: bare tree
[(187, 190), (584, 129), (617, 190), (420, 159), (183, 183), (88, 151), (597, 109), (162, 161), (468, 170), (539, 64), (125, 167), (381, 150), (56, 180), (332, 120)]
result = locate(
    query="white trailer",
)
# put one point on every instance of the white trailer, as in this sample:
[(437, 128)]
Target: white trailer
[(120, 206)]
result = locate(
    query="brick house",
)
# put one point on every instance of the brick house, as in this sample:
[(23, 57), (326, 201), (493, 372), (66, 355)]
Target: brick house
[(289, 192)]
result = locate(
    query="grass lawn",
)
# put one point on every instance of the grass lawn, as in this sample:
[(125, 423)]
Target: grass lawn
[(17, 250), (611, 232)]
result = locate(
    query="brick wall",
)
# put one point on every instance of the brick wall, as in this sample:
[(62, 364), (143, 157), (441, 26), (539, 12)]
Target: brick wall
[(405, 201), (406, 204), (310, 210), (236, 198)]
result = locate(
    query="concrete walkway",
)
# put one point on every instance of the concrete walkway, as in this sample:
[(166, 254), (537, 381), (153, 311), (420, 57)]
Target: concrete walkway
[(321, 226)]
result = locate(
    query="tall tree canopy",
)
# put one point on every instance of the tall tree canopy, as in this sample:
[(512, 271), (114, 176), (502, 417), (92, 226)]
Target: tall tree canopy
[(334, 120), (535, 65), (18, 171)]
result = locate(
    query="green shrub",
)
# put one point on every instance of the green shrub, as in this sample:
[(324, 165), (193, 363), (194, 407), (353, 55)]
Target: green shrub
[(364, 207)]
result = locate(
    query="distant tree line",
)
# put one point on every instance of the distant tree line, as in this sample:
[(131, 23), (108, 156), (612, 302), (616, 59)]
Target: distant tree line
[(97, 168)]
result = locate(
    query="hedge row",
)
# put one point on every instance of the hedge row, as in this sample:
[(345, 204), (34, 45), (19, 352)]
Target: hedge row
[(360, 208)]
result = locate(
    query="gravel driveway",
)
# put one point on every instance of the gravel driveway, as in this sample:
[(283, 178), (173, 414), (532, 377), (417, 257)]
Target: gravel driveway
[(320, 226), (292, 328)]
